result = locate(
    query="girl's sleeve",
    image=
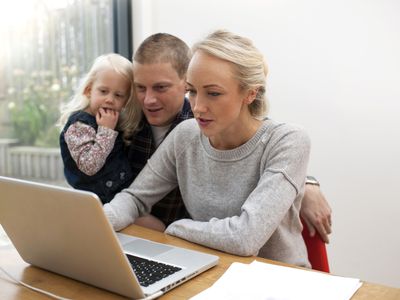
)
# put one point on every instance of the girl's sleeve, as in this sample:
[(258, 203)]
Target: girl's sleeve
[(281, 182), (89, 149)]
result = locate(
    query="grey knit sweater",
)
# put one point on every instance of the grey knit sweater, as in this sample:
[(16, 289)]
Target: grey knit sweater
[(243, 201)]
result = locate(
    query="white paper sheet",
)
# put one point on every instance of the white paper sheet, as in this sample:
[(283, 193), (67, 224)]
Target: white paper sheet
[(271, 282)]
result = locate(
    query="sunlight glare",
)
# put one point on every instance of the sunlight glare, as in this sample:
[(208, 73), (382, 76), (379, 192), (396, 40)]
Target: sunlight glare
[(17, 12)]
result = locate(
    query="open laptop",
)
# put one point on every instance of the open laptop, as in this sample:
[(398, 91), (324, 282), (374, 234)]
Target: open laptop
[(65, 231)]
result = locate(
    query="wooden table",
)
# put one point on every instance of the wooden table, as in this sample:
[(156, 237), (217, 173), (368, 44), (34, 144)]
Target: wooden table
[(65, 287)]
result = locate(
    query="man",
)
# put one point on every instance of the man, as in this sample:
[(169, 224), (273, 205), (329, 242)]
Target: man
[(159, 67)]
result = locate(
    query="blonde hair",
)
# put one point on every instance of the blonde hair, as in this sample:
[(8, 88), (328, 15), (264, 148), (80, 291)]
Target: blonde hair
[(248, 62), (131, 114)]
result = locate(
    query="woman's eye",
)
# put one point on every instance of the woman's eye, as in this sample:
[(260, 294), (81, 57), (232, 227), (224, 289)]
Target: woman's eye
[(214, 94)]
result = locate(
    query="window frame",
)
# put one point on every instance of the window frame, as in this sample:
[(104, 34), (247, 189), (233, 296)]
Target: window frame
[(122, 28)]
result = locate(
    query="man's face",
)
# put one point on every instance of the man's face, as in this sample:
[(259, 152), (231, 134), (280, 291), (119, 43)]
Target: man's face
[(160, 92)]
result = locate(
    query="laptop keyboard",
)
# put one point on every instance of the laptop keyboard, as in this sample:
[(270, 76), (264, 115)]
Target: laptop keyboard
[(150, 271)]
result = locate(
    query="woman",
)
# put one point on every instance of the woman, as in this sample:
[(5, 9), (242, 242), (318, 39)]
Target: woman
[(241, 177)]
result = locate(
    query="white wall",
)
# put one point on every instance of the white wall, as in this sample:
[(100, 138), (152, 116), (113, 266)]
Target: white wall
[(334, 68)]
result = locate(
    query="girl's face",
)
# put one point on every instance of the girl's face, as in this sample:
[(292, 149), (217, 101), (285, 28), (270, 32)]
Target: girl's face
[(218, 104), (109, 90)]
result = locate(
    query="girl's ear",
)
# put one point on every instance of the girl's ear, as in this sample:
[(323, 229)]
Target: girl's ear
[(87, 90)]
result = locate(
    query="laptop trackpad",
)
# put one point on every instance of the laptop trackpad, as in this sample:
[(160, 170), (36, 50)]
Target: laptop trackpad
[(146, 248)]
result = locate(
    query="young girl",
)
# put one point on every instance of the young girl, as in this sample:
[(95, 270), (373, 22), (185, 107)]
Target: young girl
[(97, 122)]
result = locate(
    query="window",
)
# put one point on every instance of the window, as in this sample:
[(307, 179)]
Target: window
[(47, 45)]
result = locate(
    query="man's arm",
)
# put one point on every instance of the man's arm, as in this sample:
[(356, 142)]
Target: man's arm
[(316, 212)]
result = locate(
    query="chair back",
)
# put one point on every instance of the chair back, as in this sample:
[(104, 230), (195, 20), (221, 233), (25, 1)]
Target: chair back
[(316, 250)]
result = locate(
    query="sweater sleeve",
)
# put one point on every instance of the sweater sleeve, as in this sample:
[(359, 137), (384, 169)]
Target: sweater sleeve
[(280, 184), (156, 180), (89, 148)]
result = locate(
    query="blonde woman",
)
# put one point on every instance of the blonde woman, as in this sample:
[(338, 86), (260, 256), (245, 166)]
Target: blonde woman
[(95, 124), (241, 176)]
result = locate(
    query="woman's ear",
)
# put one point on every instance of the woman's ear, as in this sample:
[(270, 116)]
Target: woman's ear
[(251, 96)]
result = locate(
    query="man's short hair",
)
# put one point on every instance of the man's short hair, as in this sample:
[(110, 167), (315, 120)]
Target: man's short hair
[(164, 48)]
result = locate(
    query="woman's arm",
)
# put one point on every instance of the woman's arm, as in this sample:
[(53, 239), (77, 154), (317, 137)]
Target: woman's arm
[(281, 183), (246, 233), (89, 149), (153, 183)]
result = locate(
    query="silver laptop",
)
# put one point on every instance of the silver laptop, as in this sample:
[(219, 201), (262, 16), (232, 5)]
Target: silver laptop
[(65, 231)]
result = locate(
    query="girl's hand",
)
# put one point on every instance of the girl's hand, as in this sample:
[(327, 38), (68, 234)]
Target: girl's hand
[(107, 118)]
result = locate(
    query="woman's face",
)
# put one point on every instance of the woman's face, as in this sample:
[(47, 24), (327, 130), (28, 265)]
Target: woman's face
[(217, 102)]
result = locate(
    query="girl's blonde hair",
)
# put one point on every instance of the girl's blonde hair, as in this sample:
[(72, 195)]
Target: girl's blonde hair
[(130, 116), (248, 62)]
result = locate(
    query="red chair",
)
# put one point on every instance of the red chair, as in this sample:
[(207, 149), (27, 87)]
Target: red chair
[(316, 250)]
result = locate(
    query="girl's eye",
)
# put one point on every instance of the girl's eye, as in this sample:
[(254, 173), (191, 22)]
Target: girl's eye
[(103, 91), (214, 94)]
